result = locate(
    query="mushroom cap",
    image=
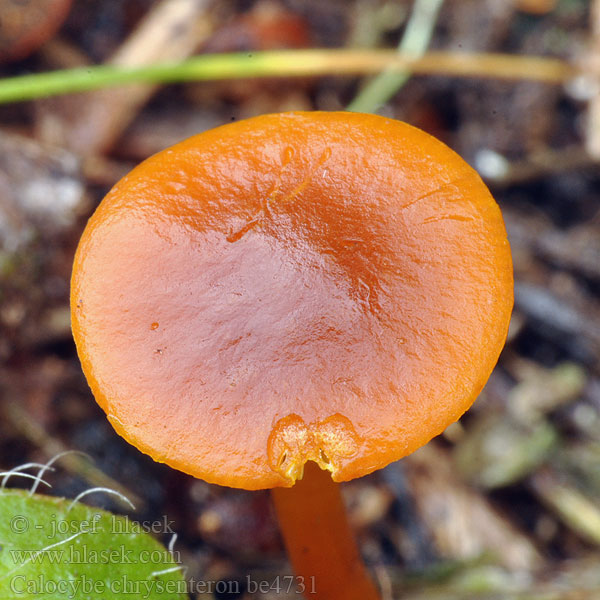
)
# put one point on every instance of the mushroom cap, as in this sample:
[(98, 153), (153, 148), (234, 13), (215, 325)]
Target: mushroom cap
[(324, 286)]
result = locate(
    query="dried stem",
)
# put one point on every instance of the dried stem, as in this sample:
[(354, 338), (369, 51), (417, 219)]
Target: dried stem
[(171, 31), (593, 128), (415, 40), (288, 63)]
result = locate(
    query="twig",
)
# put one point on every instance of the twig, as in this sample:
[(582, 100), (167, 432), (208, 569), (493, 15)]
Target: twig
[(415, 40), (171, 31), (542, 163), (462, 522), (74, 462), (593, 126), (579, 513), (288, 63)]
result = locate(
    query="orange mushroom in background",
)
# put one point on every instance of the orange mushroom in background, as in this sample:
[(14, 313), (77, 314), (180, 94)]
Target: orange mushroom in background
[(27, 24), (325, 287)]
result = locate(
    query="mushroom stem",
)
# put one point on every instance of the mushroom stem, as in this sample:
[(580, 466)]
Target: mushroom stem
[(319, 541)]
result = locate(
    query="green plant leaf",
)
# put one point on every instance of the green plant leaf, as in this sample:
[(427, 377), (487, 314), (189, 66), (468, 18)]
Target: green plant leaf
[(51, 548)]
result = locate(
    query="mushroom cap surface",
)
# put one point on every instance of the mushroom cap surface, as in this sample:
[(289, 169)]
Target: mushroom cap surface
[(324, 286)]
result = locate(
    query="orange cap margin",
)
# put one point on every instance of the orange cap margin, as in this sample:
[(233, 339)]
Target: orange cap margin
[(334, 287)]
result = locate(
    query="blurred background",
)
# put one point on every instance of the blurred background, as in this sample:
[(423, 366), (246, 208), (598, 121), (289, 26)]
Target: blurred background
[(506, 503)]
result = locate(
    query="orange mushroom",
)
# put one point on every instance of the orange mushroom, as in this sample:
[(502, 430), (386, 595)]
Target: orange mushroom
[(326, 287), (26, 25)]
